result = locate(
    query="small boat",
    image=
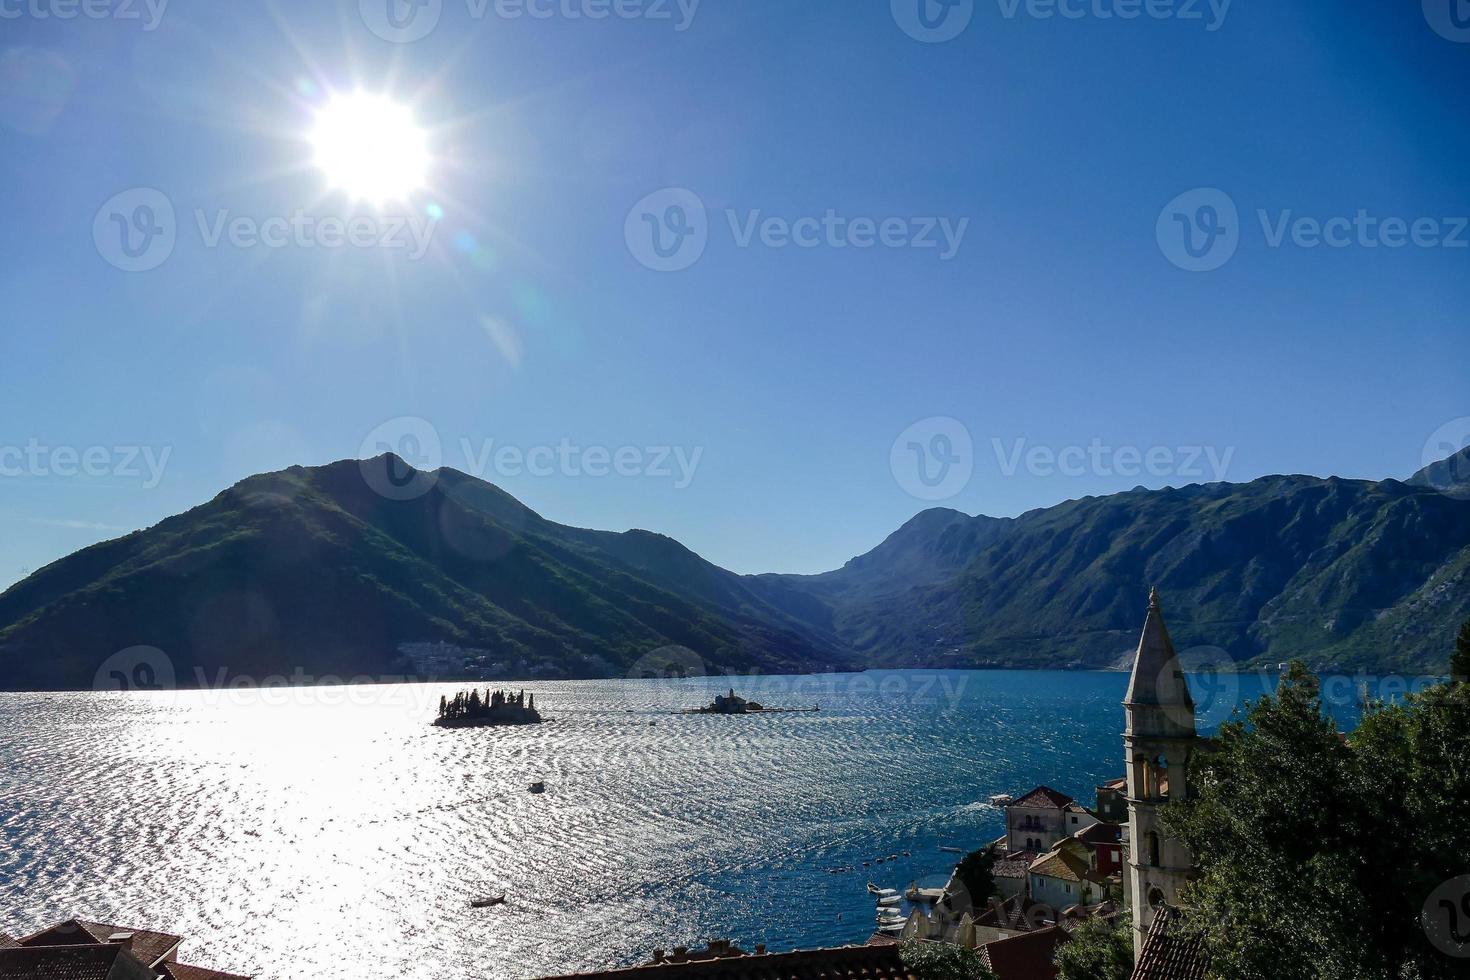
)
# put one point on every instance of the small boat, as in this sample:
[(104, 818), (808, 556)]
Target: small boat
[(873, 889), (916, 894), (889, 900), (893, 927), (538, 787), (886, 892), (952, 850), (1002, 799), (485, 903)]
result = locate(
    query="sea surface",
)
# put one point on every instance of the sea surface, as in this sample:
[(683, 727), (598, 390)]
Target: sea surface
[(333, 833)]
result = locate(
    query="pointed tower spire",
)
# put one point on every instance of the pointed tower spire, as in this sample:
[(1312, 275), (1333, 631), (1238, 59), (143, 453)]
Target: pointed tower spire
[(1159, 741), (1158, 679)]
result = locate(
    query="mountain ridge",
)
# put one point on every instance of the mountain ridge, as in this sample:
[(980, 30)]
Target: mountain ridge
[(311, 570)]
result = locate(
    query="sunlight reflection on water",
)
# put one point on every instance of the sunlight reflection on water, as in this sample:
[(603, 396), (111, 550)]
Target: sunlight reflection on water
[(335, 833)]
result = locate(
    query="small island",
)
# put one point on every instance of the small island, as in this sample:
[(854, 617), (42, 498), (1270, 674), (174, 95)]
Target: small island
[(734, 704), (730, 704), (469, 710)]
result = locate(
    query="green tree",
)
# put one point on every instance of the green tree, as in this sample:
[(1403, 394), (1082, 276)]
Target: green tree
[(977, 873), (1098, 951), (943, 961), (1460, 662), (1315, 854)]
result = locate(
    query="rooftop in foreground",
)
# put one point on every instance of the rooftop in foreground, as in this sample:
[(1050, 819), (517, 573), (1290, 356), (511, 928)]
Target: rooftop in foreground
[(725, 962), (79, 949)]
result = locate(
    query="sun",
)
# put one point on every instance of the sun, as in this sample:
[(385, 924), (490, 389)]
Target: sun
[(370, 147)]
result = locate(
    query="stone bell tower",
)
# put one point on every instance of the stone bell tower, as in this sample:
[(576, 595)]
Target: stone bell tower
[(1159, 738)]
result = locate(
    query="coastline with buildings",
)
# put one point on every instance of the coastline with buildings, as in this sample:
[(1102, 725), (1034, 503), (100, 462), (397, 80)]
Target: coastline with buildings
[(1059, 861)]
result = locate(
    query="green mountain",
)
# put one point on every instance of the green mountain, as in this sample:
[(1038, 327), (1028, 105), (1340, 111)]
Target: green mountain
[(1356, 574), (311, 573)]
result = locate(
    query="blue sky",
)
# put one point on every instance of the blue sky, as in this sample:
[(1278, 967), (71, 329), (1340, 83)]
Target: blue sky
[(760, 396)]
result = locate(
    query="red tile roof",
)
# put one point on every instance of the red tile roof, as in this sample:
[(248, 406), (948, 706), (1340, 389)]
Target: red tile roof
[(1013, 865), (1043, 798), (1172, 951), (1062, 865), (1100, 833), (181, 971), (842, 963), (1009, 915), (149, 947), (72, 962), (1028, 957), (1021, 914)]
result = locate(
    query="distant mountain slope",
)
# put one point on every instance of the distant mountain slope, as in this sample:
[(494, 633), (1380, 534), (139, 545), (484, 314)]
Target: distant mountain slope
[(1353, 573), (1450, 475), (311, 570)]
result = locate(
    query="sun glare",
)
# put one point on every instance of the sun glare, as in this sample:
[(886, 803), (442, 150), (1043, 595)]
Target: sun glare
[(371, 147)]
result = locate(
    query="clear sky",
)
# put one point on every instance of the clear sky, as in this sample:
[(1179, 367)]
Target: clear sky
[(760, 395)]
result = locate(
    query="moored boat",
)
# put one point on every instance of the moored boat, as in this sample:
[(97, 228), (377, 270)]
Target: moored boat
[(926, 895)]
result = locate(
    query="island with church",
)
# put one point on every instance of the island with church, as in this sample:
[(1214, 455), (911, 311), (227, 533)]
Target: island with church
[(468, 709), (734, 704)]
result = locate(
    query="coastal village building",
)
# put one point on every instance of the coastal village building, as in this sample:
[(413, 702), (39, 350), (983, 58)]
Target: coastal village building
[(1112, 801), (81, 950), (1064, 877), (1036, 821), (1010, 874), (1077, 817), (1060, 863), (1104, 841), (1029, 957)]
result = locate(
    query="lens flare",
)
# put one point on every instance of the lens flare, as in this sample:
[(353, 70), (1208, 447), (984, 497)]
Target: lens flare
[(370, 147)]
